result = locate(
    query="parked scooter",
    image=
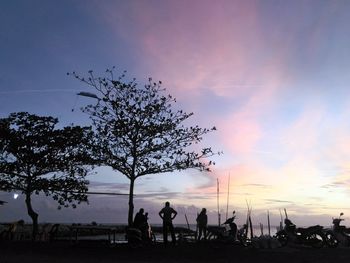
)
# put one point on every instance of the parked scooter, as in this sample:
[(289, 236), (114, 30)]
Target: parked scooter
[(229, 236), (330, 238), (220, 233), (338, 234), (311, 236)]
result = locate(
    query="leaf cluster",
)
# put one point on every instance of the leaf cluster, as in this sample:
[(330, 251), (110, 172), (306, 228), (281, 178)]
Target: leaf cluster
[(140, 131), (36, 157)]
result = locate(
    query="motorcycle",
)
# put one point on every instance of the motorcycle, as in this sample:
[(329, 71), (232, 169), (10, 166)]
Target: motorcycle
[(230, 235), (311, 236), (338, 234)]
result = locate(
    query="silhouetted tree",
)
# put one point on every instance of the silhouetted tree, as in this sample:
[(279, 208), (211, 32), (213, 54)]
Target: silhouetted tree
[(140, 132), (35, 157)]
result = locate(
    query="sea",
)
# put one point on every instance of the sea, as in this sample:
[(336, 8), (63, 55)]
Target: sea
[(121, 238)]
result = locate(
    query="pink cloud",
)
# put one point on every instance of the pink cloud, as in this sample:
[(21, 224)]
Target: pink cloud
[(240, 133), (190, 47), (223, 48)]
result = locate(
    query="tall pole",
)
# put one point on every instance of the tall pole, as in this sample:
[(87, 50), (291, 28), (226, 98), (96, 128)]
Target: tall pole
[(217, 199), (268, 222), (281, 222), (228, 194), (188, 225), (285, 212)]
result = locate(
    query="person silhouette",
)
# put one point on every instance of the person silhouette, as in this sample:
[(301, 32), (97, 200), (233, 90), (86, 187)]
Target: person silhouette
[(168, 214), (202, 221), (140, 222), (139, 218), (146, 217)]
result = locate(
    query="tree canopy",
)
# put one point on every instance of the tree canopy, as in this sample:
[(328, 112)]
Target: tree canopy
[(36, 157), (139, 130)]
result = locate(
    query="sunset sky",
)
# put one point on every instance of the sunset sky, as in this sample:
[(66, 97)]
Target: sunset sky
[(272, 76)]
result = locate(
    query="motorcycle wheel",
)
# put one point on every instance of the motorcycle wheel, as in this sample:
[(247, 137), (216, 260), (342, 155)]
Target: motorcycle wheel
[(242, 238), (211, 236), (331, 241), (282, 237), (215, 234), (316, 240)]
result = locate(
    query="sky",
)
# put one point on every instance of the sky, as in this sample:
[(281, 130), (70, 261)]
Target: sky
[(272, 76)]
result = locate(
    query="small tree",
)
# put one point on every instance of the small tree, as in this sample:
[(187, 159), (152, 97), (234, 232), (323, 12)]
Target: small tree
[(140, 132), (35, 157)]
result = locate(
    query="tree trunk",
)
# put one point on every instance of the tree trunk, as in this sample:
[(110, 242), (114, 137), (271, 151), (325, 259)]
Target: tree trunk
[(33, 215), (131, 202)]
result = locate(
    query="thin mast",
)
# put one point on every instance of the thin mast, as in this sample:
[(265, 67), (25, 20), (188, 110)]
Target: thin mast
[(217, 199), (188, 225), (268, 222), (228, 194)]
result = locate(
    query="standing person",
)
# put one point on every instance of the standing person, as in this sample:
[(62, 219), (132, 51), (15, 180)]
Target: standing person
[(168, 214), (202, 222)]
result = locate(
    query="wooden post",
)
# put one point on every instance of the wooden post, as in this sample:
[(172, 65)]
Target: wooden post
[(251, 227), (262, 229), (281, 222), (268, 222), (217, 198), (228, 194), (188, 225), (285, 212)]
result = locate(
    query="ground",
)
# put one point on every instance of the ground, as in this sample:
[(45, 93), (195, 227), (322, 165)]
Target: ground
[(88, 252)]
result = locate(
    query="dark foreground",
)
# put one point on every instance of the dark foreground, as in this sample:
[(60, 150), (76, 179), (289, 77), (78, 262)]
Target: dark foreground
[(86, 252)]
